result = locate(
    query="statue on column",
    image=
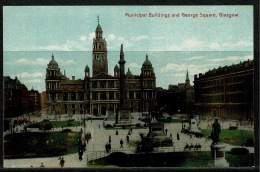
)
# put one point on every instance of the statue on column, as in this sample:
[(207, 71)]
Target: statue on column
[(216, 129)]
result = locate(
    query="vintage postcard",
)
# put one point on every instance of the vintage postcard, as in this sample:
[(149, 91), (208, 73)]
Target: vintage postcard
[(128, 86)]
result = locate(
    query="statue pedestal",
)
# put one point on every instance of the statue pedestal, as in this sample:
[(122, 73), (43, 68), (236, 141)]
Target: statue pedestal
[(218, 155), (123, 117)]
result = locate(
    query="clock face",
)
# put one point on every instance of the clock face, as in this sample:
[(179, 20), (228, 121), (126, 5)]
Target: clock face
[(99, 58)]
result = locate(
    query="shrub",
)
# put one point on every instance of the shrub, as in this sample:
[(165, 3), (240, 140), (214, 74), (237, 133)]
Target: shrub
[(66, 130), (108, 126), (239, 151), (233, 128), (138, 125), (58, 150), (250, 141)]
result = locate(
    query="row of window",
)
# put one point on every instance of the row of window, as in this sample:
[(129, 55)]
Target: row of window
[(223, 99), (236, 79)]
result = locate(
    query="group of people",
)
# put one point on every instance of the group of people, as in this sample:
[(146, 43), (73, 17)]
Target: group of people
[(191, 146)]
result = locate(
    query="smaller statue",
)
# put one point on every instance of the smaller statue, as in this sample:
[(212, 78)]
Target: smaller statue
[(216, 129)]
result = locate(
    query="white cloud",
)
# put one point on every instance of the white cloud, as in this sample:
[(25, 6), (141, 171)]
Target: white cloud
[(243, 44), (83, 38), (141, 37), (214, 45), (42, 62), (192, 43), (111, 37), (169, 67), (134, 65), (91, 36), (34, 81), (233, 58), (195, 58), (29, 75), (38, 61)]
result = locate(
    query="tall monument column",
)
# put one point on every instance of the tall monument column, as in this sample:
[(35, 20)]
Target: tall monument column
[(123, 113), (122, 78)]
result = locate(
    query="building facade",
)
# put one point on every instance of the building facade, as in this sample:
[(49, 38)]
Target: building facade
[(226, 92), (178, 98), (100, 92)]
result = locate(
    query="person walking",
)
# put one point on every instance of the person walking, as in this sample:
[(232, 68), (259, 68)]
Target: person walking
[(42, 165), (109, 139), (121, 143), (178, 136), (80, 154), (127, 138), (106, 147), (166, 131), (62, 162)]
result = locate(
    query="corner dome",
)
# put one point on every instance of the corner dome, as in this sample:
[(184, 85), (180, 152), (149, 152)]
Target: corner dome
[(116, 67), (147, 63), (53, 62), (128, 73)]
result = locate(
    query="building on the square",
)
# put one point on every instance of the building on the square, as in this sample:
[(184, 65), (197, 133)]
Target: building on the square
[(178, 98), (34, 101), (15, 98), (226, 92), (98, 93)]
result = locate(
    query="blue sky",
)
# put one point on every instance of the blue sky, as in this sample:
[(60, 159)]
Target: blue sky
[(71, 28)]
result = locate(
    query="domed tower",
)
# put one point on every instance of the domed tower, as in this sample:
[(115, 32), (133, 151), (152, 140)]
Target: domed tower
[(116, 71), (52, 81), (147, 69), (148, 86), (99, 54)]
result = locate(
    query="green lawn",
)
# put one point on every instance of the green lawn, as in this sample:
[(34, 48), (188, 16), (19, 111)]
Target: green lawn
[(239, 136), (43, 144)]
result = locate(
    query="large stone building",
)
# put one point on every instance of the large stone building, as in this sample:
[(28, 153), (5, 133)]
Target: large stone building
[(101, 92), (18, 100), (178, 98), (226, 92)]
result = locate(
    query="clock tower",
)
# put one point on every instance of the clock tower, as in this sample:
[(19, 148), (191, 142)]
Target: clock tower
[(99, 54)]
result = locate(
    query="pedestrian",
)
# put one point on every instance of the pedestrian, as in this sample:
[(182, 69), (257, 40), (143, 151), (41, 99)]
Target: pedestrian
[(166, 131), (131, 129), (184, 126), (84, 146), (116, 132), (81, 131), (106, 147), (62, 162), (190, 136), (109, 139), (42, 165), (109, 147), (178, 136), (80, 154), (121, 143), (171, 135), (127, 138)]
